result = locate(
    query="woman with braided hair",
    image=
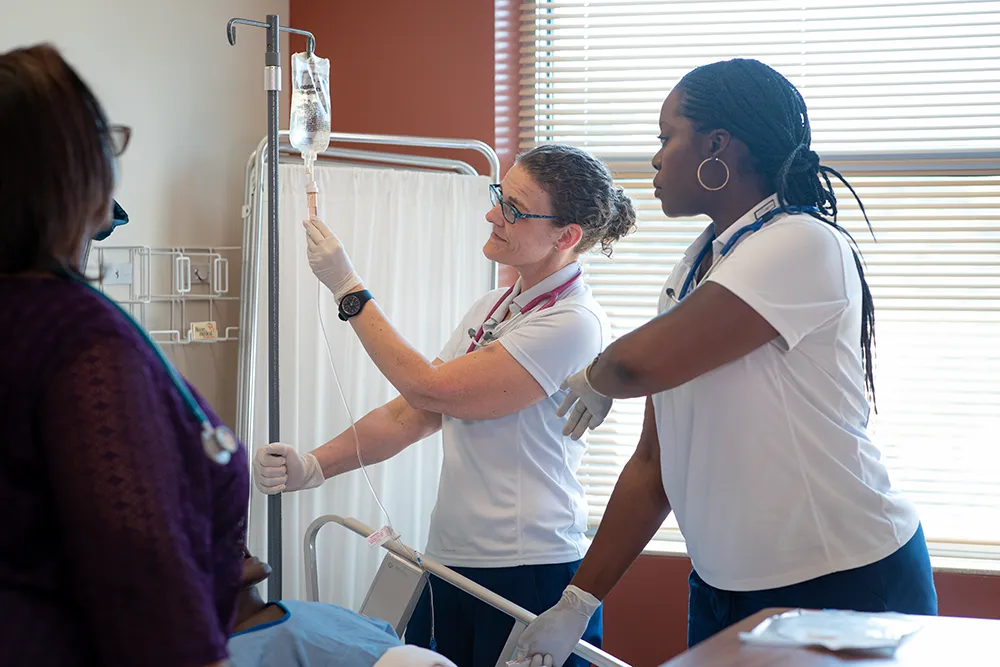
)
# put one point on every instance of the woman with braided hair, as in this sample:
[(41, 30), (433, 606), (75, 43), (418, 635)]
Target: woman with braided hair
[(758, 377)]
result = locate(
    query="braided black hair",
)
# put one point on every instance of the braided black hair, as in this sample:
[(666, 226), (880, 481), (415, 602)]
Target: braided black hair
[(761, 108)]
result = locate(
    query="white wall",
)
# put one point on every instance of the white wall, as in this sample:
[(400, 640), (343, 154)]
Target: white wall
[(196, 106)]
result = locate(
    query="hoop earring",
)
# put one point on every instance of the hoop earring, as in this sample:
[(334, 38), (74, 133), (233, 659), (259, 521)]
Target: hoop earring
[(724, 165)]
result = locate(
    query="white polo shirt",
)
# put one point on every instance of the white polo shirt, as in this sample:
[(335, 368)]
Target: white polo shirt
[(508, 494), (766, 461)]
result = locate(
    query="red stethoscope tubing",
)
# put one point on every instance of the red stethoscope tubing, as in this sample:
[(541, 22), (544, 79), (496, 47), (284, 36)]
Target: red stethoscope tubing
[(549, 298)]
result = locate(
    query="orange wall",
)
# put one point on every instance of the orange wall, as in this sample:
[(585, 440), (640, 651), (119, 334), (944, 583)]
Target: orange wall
[(417, 67), (433, 68), (448, 68)]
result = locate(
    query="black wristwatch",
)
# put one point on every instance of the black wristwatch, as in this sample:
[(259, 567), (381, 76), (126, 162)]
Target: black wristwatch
[(352, 304)]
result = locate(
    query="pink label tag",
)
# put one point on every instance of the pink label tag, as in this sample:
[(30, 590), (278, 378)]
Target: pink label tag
[(381, 536)]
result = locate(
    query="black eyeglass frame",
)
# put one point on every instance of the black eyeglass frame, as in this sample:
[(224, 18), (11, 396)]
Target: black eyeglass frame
[(119, 137), (510, 212)]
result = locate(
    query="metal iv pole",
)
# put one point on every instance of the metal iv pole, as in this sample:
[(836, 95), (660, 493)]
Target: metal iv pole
[(272, 84)]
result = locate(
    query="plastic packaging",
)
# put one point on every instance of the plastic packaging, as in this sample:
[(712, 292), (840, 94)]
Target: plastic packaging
[(309, 125), (834, 630)]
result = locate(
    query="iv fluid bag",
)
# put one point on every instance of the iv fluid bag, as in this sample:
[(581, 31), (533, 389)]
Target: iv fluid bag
[(309, 125)]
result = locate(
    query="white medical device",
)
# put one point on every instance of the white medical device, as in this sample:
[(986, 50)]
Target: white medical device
[(395, 592)]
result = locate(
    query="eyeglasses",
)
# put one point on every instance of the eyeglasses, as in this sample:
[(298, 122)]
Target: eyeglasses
[(119, 136), (510, 212)]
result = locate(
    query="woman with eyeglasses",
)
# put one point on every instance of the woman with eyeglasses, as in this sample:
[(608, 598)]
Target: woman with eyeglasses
[(510, 512), (758, 374), (122, 542)]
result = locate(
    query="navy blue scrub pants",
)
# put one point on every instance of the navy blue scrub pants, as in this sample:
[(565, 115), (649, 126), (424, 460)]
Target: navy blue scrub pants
[(901, 582), (471, 633)]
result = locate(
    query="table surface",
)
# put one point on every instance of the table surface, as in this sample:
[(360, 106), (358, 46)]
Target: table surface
[(941, 642)]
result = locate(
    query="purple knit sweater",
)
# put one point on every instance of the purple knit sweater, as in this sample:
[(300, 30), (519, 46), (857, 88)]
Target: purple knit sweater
[(121, 543)]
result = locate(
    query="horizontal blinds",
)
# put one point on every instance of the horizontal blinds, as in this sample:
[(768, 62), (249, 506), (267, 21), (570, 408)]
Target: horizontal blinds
[(886, 75), (905, 101), (934, 270)]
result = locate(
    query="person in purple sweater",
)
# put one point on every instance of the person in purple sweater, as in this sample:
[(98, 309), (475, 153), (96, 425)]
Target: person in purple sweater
[(122, 542)]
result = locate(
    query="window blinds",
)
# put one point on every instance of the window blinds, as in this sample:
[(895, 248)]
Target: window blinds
[(904, 99), (879, 76)]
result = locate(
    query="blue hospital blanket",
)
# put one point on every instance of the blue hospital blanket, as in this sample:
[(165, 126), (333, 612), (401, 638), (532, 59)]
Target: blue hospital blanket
[(313, 634)]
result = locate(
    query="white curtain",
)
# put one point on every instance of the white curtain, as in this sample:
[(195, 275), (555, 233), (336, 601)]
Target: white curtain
[(416, 239)]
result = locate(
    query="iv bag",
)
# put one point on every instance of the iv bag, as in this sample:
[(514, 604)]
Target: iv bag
[(309, 125)]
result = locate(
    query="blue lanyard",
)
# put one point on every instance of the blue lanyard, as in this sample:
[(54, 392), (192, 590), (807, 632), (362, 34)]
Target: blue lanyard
[(740, 233)]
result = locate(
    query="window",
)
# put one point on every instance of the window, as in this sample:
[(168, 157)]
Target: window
[(904, 98)]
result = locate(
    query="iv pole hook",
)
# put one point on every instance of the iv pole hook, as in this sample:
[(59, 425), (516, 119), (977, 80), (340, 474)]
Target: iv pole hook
[(231, 32)]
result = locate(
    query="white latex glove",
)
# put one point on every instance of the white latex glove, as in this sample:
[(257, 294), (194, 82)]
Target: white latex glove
[(591, 407), (279, 468), (412, 656), (551, 638), (328, 259)]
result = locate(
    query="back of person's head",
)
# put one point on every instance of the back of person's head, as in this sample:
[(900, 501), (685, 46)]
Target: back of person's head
[(57, 166), (582, 192), (762, 109)]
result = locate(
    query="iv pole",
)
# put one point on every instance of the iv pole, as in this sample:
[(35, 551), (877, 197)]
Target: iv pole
[(272, 84)]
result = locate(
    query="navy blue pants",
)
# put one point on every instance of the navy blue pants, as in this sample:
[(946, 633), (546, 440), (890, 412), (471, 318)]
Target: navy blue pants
[(901, 582), (473, 634)]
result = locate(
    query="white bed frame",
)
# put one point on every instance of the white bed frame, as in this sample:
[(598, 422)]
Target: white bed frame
[(400, 581)]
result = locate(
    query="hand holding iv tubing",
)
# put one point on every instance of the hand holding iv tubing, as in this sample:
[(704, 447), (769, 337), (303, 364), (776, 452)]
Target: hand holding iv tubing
[(464, 388), (328, 259)]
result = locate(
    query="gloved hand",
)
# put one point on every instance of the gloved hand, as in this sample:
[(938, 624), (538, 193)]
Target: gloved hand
[(279, 468), (328, 259), (591, 408), (551, 638)]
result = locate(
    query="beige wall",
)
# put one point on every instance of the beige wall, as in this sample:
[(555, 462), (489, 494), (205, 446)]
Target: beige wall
[(196, 106)]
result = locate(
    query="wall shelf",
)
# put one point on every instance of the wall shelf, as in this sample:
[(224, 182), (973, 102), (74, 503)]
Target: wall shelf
[(179, 295)]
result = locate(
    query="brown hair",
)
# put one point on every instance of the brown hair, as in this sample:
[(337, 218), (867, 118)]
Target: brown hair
[(57, 165), (583, 192)]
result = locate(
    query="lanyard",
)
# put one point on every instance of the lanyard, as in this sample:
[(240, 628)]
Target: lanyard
[(218, 442), (546, 300), (740, 233)]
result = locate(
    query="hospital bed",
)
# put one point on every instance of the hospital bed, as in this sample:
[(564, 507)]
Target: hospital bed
[(401, 579)]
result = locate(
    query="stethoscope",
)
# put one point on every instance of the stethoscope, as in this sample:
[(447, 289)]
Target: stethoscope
[(762, 220), (546, 300), (218, 442)]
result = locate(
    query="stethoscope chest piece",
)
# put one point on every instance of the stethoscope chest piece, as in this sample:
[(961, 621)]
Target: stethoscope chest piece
[(219, 443)]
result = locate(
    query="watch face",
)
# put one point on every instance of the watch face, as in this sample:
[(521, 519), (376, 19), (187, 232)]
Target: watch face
[(351, 305)]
